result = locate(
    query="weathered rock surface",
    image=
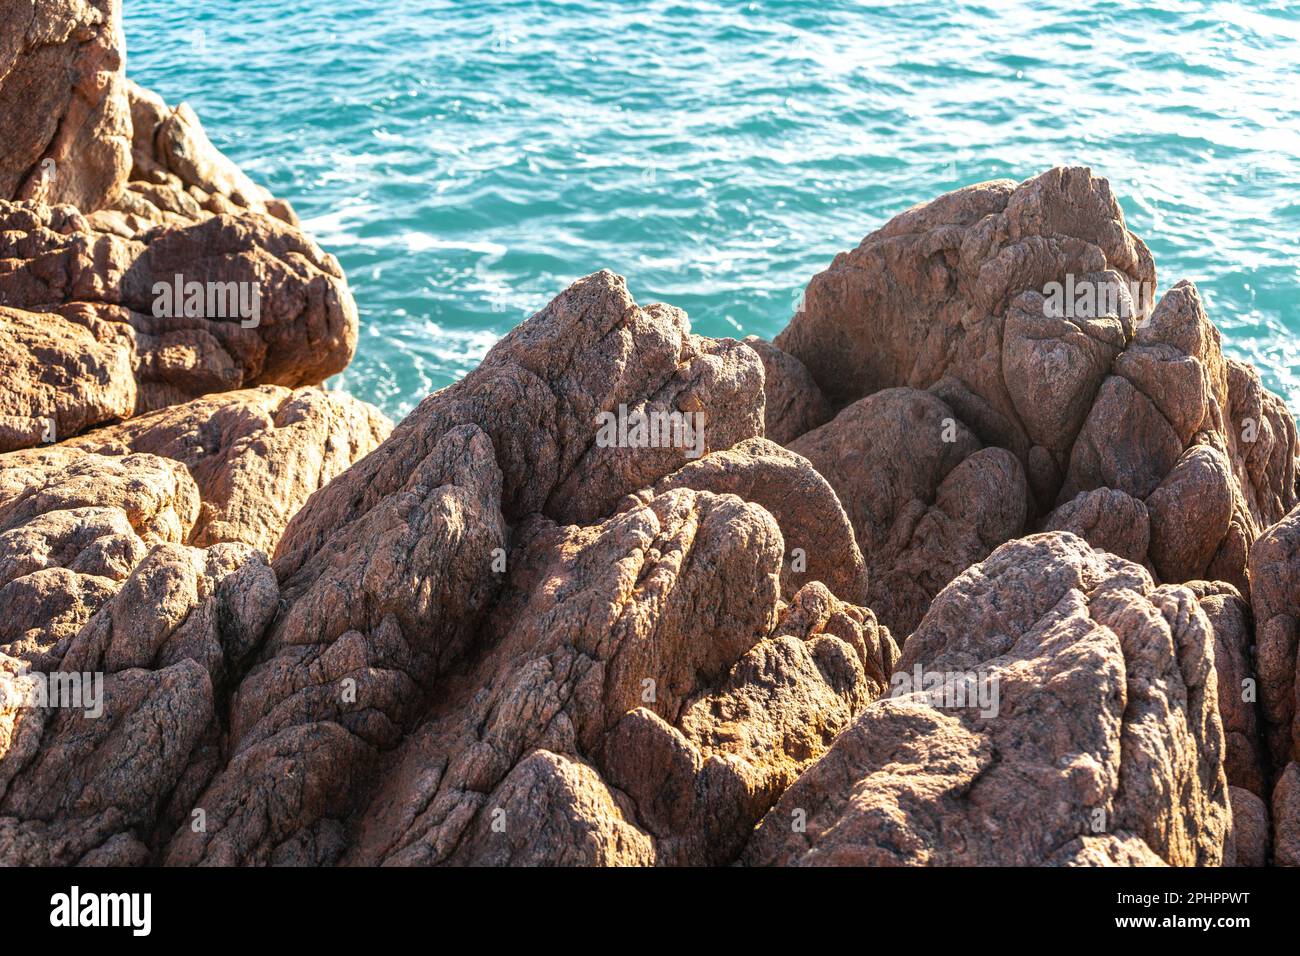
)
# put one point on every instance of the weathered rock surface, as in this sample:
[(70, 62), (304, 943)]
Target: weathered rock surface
[(497, 637), (1106, 723), (1286, 817), (70, 286), (177, 176), (819, 541), (1099, 391), (794, 403), (1275, 598), (1245, 760), (556, 631), (255, 455), (926, 500), (1248, 839), (65, 121)]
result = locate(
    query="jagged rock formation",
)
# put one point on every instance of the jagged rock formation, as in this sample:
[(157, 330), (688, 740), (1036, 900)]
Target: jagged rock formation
[(1091, 390), (743, 623), (1106, 704), (86, 342)]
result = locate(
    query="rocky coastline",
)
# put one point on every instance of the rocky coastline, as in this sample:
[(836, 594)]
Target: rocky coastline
[(955, 571)]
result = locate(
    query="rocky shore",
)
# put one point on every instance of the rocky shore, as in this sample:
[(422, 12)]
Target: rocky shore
[(956, 571)]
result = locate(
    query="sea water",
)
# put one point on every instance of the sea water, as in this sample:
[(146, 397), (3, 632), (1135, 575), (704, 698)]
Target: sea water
[(468, 159)]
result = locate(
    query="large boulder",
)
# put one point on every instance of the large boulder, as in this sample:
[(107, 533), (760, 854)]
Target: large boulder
[(65, 119), (177, 176), (925, 498), (1028, 309), (1051, 696), (638, 591), (273, 309), (1275, 598)]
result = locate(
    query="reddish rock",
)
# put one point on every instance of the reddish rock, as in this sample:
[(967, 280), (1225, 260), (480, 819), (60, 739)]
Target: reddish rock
[(819, 541), (1107, 519), (88, 300), (1248, 837), (1286, 817), (1275, 599), (1245, 760), (793, 402), (1105, 706), (65, 121), (964, 295), (925, 499)]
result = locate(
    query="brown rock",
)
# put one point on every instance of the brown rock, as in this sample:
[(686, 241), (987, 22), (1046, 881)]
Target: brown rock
[(963, 295), (538, 395), (794, 403), (65, 121), (1275, 599), (819, 542), (116, 761), (1105, 706), (925, 500), (1286, 817), (1248, 836), (1244, 760), (255, 455), (1107, 519), (60, 377), (89, 299)]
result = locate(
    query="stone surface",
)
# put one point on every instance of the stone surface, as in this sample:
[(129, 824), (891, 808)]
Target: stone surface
[(794, 403), (956, 295), (1248, 839), (1245, 761), (1106, 708), (495, 637), (65, 120), (255, 455), (1286, 817), (1275, 599), (70, 286), (926, 500)]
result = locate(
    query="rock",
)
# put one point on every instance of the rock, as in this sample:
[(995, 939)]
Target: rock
[(1245, 760), (539, 394), (1275, 600), (1286, 817), (819, 541), (686, 582), (1107, 519), (1027, 309), (381, 609), (76, 518), (1111, 849), (925, 499), (60, 377), (1105, 706), (255, 455), (65, 121), (104, 764), (177, 176), (99, 304), (651, 648), (794, 403), (1248, 835)]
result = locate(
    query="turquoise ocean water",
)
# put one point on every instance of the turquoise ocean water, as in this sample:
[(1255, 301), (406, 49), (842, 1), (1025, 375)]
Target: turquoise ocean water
[(467, 159)]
